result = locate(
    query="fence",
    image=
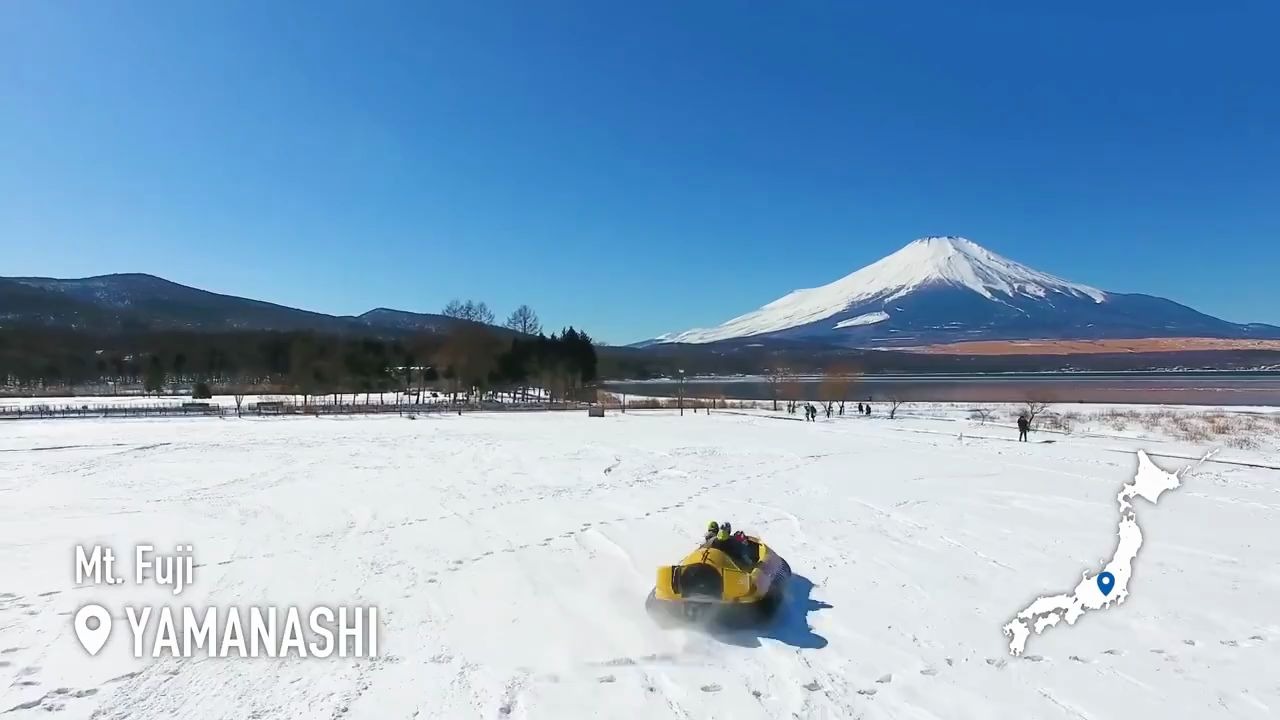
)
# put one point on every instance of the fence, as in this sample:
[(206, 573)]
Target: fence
[(271, 408)]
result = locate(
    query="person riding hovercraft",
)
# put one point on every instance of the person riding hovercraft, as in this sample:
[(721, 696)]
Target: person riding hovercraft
[(731, 577), (734, 544)]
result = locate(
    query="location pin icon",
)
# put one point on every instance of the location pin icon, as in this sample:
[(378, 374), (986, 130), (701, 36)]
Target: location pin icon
[(93, 626), (1106, 581)]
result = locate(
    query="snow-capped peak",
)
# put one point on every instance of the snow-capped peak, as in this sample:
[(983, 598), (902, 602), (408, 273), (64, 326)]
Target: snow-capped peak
[(952, 261), (956, 261)]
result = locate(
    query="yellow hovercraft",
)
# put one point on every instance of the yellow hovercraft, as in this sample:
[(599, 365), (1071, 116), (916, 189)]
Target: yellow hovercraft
[(732, 580)]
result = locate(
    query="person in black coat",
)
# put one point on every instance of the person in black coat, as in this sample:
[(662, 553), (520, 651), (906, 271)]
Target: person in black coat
[(1023, 426)]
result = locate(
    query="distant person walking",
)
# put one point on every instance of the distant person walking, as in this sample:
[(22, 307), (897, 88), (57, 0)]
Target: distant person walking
[(868, 409), (859, 408), (1023, 426)]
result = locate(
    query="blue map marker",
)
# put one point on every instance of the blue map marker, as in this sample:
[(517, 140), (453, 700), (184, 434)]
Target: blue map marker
[(1106, 581)]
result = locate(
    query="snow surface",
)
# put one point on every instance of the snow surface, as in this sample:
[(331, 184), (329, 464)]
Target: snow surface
[(932, 260), (865, 319), (92, 401), (509, 556)]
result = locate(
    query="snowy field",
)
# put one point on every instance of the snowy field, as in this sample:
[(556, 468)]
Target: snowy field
[(387, 398), (1196, 428), (509, 557)]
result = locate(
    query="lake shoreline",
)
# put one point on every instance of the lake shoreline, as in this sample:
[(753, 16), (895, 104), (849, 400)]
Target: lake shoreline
[(1144, 388)]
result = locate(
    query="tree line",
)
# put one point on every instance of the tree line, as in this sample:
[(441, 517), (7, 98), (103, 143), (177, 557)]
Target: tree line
[(468, 361)]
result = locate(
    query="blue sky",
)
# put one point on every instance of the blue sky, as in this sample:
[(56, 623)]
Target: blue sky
[(634, 168)]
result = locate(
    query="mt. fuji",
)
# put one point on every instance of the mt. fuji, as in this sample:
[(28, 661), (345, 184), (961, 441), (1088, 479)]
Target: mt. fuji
[(949, 289)]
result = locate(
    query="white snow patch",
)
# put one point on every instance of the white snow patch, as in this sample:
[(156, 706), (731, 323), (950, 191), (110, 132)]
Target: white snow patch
[(870, 318)]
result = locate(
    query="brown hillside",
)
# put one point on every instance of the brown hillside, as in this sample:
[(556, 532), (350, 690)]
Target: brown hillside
[(1093, 347)]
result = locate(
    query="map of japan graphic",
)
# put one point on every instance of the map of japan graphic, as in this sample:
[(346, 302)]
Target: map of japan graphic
[(1109, 586)]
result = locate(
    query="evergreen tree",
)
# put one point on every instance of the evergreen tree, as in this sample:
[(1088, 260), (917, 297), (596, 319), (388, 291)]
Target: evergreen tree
[(154, 379)]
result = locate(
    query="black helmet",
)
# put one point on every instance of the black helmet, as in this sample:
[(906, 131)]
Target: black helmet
[(727, 528)]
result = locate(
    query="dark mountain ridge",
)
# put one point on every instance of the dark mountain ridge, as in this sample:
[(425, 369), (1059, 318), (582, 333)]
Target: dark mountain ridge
[(136, 301)]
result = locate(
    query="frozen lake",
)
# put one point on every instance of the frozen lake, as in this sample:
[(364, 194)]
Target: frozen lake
[(1180, 388)]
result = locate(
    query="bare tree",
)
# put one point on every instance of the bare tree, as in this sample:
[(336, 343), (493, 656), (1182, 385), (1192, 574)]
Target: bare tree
[(239, 400), (792, 389), (469, 310), (895, 403), (982, 415), (1034, 407), (715, 395), (479, 312), (775, 377), (524, 320), (837, 385)]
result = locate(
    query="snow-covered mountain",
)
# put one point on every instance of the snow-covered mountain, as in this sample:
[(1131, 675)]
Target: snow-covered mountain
[(948, 289)]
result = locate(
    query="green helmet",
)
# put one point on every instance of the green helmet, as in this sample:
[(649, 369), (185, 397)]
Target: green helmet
[(713, 526), (723, 534)]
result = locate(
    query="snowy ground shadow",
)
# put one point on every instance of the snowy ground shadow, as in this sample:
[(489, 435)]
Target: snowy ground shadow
[(789, 625)]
